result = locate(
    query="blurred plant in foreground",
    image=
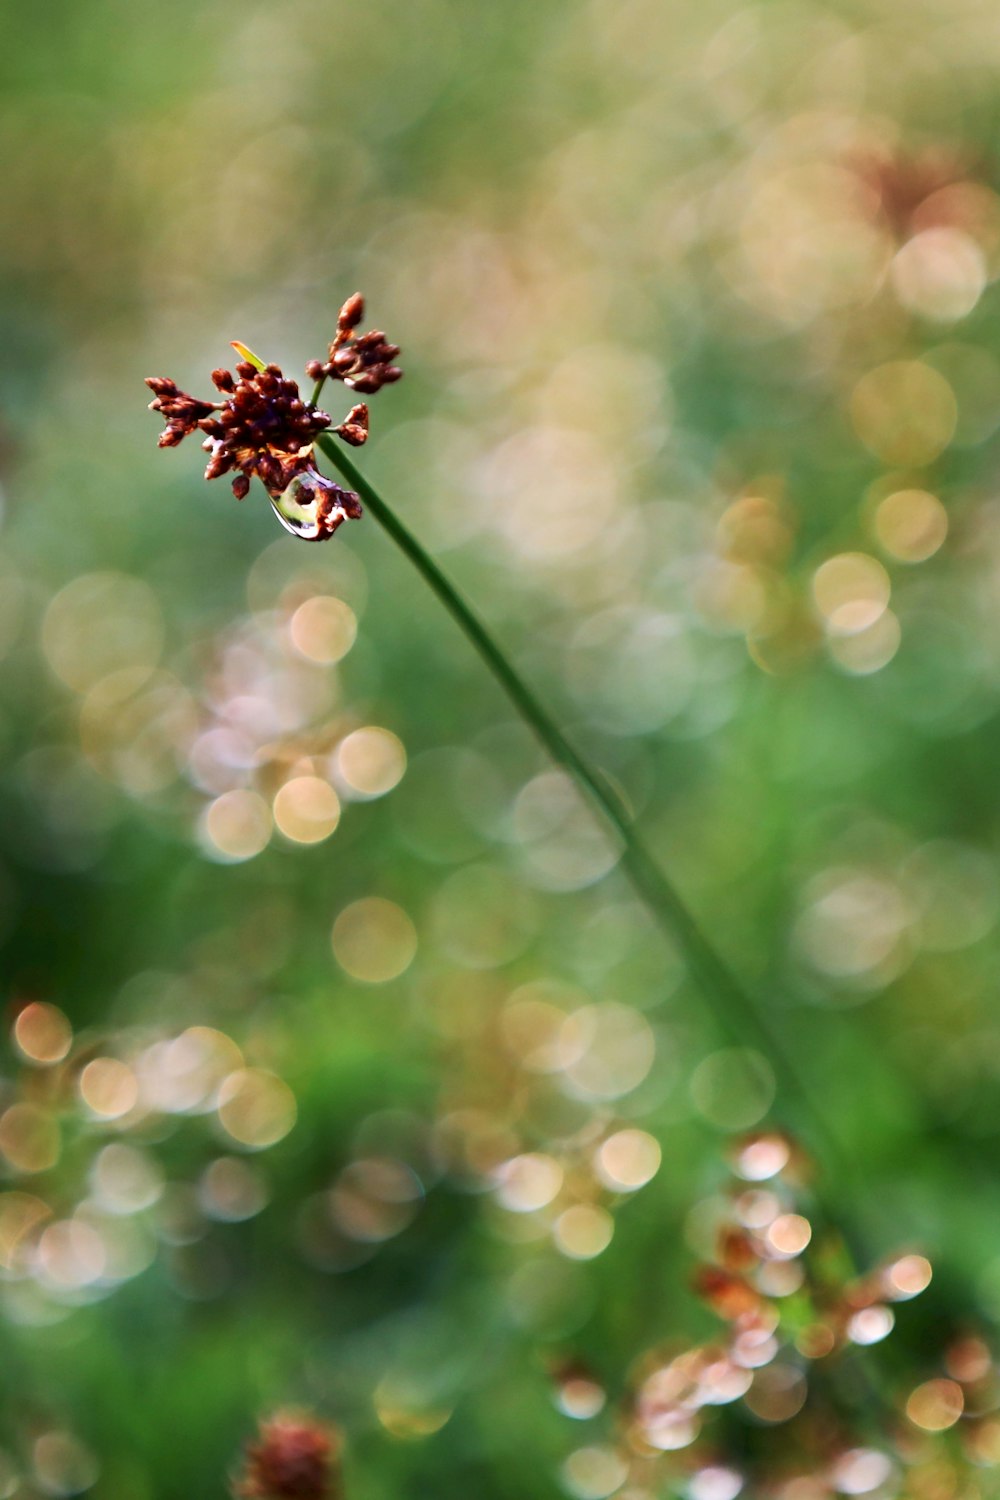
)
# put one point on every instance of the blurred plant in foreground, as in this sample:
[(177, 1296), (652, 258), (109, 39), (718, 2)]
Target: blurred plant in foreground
[(294, 1458), (813, 1417)]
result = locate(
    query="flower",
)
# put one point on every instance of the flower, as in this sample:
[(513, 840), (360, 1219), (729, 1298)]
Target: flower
[(263, 427), (294, 1458), (364, 362)]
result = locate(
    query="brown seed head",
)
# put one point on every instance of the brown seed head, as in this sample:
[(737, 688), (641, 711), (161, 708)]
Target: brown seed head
[(294, 1458), (263, 427), (364, 362)]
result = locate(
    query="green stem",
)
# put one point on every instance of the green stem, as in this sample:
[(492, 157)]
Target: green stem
[(737, 1011), (736, 1008)]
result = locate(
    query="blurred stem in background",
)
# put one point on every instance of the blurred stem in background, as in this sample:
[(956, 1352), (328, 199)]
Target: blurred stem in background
[(737, 1010)]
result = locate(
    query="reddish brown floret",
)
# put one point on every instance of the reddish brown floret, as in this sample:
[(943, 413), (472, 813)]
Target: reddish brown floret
[(183, 412), (727, 1295), (351, 313), (354, 428)]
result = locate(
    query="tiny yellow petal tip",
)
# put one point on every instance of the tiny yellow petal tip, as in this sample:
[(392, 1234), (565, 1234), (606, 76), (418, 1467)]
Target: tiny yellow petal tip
[(248, 354)]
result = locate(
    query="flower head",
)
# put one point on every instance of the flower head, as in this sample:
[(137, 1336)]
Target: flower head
[(294, 1458), (262, 426), (364, 362)]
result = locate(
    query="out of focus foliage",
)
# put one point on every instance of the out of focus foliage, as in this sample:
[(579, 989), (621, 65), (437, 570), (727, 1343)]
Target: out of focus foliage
[(342, 1069)]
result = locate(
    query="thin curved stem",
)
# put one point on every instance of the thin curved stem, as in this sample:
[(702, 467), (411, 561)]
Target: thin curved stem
[(737, 1010)]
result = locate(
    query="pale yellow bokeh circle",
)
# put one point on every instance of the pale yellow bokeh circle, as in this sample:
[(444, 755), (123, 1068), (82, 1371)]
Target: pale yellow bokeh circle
[(71, 1254), (43, 1034), (256, 1107), (404, 1409), (137, 728), (306, 809), (868, 650), (323, 629), (529, 1182), (911, 525), (371, 761), (63, 1466), (236, 826), (594, 1473), (374, 940), (20, 1215), (29, 1138), (777, 1393), (109, 1087), (904, 412), (910, 1275), (583, 1231), (627, 1160), (851, 591), (939, 274), (789, 1234), (231, 1190), (936, 1405), (102, 623)]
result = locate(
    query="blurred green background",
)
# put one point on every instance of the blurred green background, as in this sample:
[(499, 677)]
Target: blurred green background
[(303, 940)]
